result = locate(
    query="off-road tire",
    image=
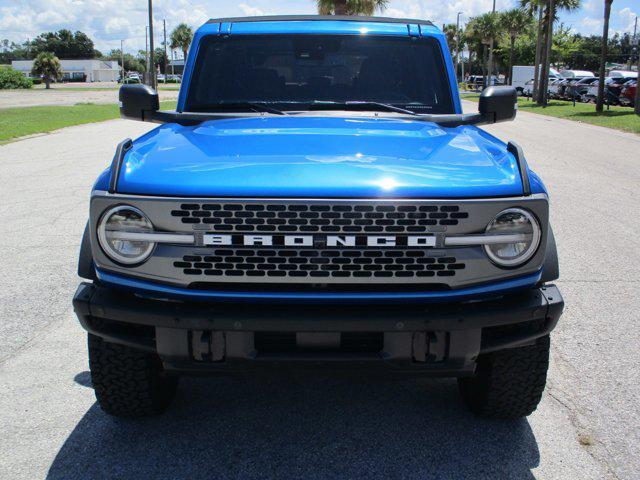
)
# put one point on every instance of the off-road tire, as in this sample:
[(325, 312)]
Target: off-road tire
[(127, 382), (508, 383)]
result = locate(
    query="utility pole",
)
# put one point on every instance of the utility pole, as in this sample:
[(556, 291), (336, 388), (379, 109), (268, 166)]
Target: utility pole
[(462, 65), (146, 50), (152, 71), (636, 107), (458, 40), (490, 62), (633, 45), (164, 28), (122, 59)]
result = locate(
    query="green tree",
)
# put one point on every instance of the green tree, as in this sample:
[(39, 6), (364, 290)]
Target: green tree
[(603, 58), (131, 63), (181, 37), (452, 35), (351, 7), (514, 22), (10, 51), (161, 59), (481, 32), (565, 45), (545, 38), (47, 66), (63, 44)]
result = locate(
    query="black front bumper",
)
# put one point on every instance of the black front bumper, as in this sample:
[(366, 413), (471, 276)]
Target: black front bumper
[(427, 339)]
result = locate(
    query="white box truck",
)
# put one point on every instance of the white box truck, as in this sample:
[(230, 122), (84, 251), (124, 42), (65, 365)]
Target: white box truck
[(521, 74)]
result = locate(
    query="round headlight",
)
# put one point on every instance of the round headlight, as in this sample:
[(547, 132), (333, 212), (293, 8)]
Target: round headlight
[(518, 222), (116, 234)]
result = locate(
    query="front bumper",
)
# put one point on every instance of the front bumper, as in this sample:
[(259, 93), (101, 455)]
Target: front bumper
[(427, 339)]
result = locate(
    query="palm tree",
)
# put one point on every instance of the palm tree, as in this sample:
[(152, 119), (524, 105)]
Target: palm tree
[(533, 7), (47, 66), (483, 29), (351, 7), (452, 35), (181, 37), (603, 58), (551, 8), (514, 22)]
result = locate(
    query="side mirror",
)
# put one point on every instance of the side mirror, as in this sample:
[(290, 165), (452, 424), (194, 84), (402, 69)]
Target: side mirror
[(498, 104), (138, 102)]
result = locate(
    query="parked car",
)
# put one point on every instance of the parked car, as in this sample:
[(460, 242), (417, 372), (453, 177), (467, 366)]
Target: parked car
[(616, 85), (612, 90), (628, 93), (576, 89), (626, 74), (554, 86), (475, 82), (576, 74), (527, 88), (271, 223), (131, 77), (521, 74)]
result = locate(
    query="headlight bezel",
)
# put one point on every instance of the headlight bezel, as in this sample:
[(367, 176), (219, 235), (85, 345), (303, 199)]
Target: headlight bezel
[(113, 254), (529, 253)]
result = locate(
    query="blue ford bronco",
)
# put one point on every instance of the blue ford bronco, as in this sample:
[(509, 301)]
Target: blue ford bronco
[(318, 201)]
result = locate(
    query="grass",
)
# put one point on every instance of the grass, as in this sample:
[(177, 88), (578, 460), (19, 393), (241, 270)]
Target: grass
[(619, 118), (18, 122)]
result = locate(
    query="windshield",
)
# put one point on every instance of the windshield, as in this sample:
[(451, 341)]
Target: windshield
[(291, 72)]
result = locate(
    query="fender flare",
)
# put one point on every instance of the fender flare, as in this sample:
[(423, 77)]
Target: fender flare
[(550, 268), (86, 268)]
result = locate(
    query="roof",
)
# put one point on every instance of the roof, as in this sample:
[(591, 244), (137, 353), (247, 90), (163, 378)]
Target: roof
[(317, 18)]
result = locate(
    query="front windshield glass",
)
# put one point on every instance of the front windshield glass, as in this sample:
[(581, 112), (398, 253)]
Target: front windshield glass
[(291, 72)]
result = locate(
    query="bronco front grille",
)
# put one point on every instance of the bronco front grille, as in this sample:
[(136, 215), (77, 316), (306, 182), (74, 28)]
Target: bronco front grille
[(320, 263), (318, 217)]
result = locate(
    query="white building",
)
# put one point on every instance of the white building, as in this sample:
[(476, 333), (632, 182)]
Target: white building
[(92, 70)]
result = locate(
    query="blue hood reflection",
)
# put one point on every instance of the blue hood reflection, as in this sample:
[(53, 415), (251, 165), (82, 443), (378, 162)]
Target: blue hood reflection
[(319, 157)]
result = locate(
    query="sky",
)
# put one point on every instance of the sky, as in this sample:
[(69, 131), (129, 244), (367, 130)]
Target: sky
[(109, 21)]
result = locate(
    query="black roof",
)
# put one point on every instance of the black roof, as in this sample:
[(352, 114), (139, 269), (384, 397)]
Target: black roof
[(307, 18)]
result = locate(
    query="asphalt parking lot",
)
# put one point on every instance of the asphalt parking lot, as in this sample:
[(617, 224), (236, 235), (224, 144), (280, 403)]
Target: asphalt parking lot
[(587, 426)]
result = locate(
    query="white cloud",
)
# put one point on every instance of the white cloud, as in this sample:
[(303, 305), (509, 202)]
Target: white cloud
[(250, 11), (592, 6), (109, 21), (591, 25), (627, 19)]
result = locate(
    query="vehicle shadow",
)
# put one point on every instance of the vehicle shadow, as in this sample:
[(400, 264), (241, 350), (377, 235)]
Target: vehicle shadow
[(301, 428)]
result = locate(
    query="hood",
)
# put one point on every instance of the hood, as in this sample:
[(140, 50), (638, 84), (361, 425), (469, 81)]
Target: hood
[(319, 157)]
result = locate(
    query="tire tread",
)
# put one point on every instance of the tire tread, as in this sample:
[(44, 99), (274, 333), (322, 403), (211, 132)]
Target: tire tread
[(127, 382), (509, 383)]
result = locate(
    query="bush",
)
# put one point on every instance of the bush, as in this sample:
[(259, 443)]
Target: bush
[(12, 78)]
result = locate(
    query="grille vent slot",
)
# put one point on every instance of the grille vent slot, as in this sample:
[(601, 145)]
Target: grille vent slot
[(319, 218), (322, 263)]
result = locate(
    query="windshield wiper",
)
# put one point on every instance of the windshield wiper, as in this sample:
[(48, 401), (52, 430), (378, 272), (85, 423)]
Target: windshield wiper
[(363, 104), (255, 106)]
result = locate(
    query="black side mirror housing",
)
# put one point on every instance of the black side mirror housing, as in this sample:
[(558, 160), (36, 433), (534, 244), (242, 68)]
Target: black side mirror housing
[(138, 102), (498, 104)]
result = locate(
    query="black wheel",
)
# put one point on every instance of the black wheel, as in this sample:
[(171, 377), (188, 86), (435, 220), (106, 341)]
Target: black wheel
[(508, 383), (128, 382)]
